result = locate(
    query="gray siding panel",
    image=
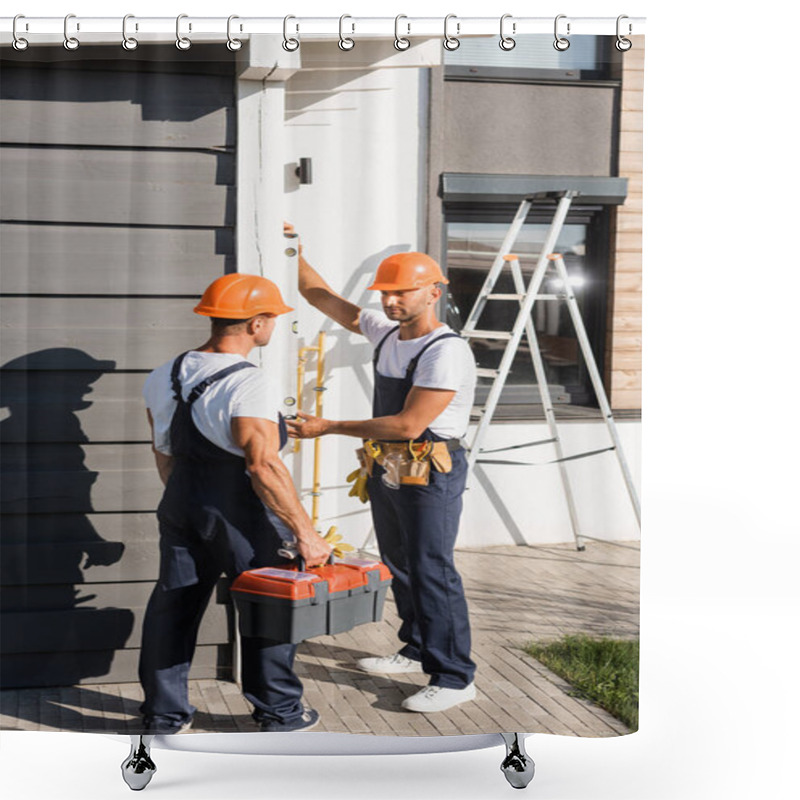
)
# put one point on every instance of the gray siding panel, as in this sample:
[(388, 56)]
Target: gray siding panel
[(109, 420), (86, 627), (134, 334), (98, 529), (80, 260), (102, 406), (117, 206), (83, 107), (86, 667)]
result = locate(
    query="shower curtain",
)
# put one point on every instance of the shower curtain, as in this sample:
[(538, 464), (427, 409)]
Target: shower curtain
[(132, 179)]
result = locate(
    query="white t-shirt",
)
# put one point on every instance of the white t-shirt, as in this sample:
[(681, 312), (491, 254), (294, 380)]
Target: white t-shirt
[(449, 365), (246, 393)]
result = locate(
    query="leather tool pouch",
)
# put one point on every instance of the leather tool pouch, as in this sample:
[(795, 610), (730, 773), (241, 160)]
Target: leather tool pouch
[(365, 460), (415, 473), (440, 457)]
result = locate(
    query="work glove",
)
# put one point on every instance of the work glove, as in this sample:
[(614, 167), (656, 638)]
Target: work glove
[(359, 487), (335, 541)]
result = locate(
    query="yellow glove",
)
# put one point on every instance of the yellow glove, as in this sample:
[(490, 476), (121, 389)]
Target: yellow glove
[(359, 487), (335, 541)]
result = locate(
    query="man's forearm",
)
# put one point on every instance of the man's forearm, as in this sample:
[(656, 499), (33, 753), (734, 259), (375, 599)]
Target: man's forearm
[(311, 284), (273, 484), (382, 428)]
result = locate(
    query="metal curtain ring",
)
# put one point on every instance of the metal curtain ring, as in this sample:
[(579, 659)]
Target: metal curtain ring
[(128, 42), (18, 43), (560, 42), (290, 44), (451, 42), (507, 42), (345, 43), (399, 42), (70, 42), (233, 44), (622, 44), (181, 42)]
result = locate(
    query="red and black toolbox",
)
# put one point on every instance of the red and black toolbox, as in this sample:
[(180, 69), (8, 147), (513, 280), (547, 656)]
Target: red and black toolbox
[(291, 604)]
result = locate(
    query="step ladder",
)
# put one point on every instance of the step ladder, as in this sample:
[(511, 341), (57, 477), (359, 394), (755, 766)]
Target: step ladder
[(526, 297)]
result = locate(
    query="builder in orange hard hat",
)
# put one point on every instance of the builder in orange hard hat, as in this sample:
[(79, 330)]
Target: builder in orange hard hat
[(228, 505), (413, 465)]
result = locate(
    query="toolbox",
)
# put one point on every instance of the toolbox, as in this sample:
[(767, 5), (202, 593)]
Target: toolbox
[(291, 604)]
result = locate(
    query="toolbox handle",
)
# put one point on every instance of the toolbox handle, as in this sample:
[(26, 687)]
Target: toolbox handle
[(301, 562)]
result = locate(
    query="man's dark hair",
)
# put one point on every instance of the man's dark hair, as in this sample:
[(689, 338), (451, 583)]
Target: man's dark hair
[(221, 326)]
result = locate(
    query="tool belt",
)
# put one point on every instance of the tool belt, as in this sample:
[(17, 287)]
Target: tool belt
[(408, 463)]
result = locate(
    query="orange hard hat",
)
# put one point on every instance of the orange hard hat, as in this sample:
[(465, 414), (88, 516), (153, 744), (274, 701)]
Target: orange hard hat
[(407, 271), (240, 296)]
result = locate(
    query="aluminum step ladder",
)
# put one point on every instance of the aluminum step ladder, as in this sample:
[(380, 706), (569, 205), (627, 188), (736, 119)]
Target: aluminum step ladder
[(527, 296)]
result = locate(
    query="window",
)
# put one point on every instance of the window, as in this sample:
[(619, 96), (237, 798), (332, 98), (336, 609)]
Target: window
[(474, 234), (533, 59)]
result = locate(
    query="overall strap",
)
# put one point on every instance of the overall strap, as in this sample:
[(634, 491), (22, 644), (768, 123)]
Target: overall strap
[(176, 368), (377, 352), (217, 376), (412, 365)]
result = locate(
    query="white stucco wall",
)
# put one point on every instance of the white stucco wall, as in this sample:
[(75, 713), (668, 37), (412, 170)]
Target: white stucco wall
[(365, 132)]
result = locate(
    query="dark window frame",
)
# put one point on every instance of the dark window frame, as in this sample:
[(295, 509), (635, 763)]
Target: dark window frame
[(598, 221), (607, 73)]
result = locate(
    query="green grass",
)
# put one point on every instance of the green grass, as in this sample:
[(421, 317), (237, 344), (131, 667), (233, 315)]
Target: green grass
[(605, 671)]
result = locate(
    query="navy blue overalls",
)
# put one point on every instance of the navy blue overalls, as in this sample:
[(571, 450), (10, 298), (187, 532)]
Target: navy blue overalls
[(210, 521), (416, 528)]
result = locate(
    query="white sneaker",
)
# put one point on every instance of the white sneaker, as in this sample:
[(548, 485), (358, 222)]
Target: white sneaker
[(438, 698), (388, 665)]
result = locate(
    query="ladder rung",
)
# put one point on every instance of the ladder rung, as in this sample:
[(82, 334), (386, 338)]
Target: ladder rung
[(521, 297), (475, 334), (486, 372)]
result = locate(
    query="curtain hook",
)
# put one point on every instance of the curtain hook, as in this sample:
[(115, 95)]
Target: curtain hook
[(451, 42), (400, 43), (128, 42), (346, 43), (507, 42), (622, 44), (290, 43), (181, 42), (18, 43), (560, 42), (70, 42), (233, 44)]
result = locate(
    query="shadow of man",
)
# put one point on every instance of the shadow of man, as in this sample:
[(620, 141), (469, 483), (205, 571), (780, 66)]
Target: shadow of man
[(50, 636)]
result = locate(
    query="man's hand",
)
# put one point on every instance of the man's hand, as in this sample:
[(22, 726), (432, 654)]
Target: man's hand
[(307, 426), (315, 550), (288, 230)]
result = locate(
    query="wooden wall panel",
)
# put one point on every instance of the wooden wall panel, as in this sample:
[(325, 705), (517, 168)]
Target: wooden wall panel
[(625, 315)]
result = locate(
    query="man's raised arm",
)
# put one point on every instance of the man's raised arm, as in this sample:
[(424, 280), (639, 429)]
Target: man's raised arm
[(321, 296)]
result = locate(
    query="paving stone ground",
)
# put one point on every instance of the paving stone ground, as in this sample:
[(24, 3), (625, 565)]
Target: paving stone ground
[(515, 594)]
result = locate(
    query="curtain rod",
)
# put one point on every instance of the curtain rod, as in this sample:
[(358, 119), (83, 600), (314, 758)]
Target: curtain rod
[(155, 30)]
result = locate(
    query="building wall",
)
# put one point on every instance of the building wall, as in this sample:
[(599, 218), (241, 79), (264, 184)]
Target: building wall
[(625, 323), (366, 134), (118, 205)]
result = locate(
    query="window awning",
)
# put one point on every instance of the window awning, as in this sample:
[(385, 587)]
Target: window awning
[(459, 187)]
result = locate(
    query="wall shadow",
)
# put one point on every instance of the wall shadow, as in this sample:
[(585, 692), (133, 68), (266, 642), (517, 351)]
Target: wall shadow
[(50, 635)]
